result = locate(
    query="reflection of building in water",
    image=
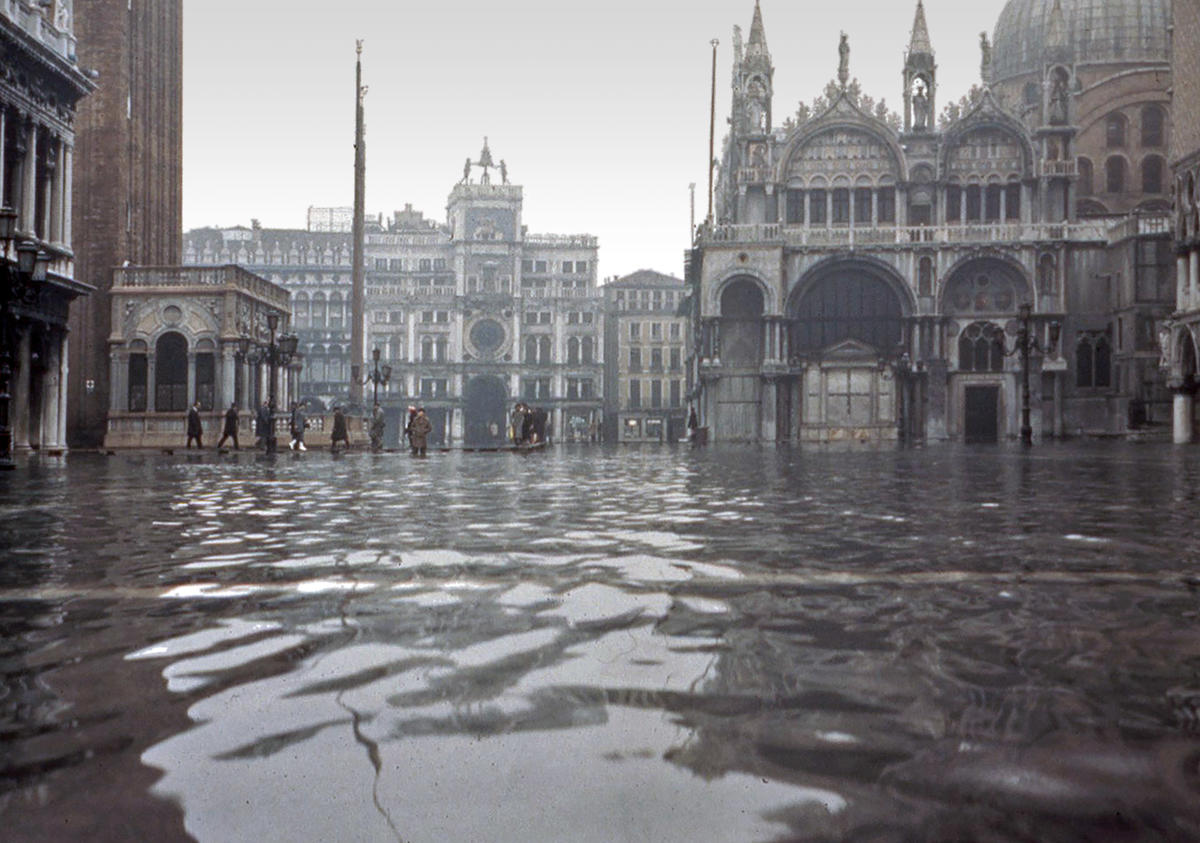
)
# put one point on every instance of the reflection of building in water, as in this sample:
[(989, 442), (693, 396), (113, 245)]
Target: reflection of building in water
[(646, 348), (864, 276), (471, 315)]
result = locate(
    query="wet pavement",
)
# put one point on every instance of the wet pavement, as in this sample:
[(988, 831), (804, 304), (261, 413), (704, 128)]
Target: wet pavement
[(595, 644)]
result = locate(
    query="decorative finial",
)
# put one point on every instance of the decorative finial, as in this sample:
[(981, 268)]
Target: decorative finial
[(358, 47), (985, 59)]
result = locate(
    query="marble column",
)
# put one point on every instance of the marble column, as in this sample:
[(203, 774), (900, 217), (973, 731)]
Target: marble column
[(28, 209), (1185, 404)]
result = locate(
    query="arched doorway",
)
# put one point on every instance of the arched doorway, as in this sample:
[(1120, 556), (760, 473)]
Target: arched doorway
[(486, 416), (737, 412), (847, 319), (171, 373)]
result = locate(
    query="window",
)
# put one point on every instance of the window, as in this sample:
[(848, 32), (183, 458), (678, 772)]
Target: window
[(992, 202), (981, 348), (581, 267), (1093, 361), (656, 360), (396, 264), (426, 349), (676, 359), (439, 263), (676, 331), (953, 203), (568, 267), (635, 394), (816, 207), (1152, 126), (676, 394), (656, 330), (171, 373), (425, 264), (1115, 174), (887, 205), (1152, 174), (1046, 273), (535, 389), (573, 318), (974, 203), (841, 206), (635, 331), (138, 372), (573, 351), (635, 359), (794, 208), (862, 204), (589, 351), (656, 394), (434, 388), (381, 264), (1115, 131)]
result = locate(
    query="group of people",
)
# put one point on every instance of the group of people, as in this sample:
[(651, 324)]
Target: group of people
[(416, 429), (527, 426)]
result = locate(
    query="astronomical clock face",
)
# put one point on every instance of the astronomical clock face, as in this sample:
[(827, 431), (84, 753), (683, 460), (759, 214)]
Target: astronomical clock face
[(487, 335), (491, 224)]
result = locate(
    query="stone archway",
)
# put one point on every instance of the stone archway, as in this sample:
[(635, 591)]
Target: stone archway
[(171, 373), (486, 416)]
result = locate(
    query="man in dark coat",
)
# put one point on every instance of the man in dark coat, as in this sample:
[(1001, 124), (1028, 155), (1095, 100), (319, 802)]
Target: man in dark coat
[(231, 426), (194, 427), (340, 434), (419, 432), (262, 424), (299, 422)]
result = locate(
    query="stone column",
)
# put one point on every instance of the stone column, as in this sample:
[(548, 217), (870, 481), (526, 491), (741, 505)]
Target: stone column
[(1185, 403), (57, 213), (50, 394), (770, 409), (1059, 426), (1183, 284), (829, 208), (962, 205), (28, 209), (63, 388), (68, 192), (1003, 205), (19, 389), (118, 375), (228, 379), (3, 150), (151, 381), (1193, 274), (936, 400), (191, 378)]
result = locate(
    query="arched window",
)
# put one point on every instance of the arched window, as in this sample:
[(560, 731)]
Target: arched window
[(426, 349), (170, 373), (1152, 126), (1114, 170), (318, 310), (974, 203), (440, 349), (1085, 177), (335, 311), (1152, 174), (589, 351), (1115, 130), (925, 277), (543, 351), (300, 308), (850, 304), (573, 351), (530, 351), (981, 348), (741, 324)]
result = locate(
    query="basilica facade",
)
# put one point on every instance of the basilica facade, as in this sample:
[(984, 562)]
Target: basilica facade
[(934, 275)]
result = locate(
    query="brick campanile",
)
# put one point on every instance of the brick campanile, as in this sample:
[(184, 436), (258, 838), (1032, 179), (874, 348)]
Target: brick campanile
[(128, 179)]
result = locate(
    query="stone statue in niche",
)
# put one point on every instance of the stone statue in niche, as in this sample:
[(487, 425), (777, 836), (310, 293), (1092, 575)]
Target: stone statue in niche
[(1059, 99), (922, 118), (755, 109)]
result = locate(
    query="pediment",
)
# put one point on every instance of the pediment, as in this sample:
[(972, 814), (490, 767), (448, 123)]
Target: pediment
[(849, 349)]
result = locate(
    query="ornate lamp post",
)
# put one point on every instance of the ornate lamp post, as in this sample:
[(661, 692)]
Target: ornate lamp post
[(1027, 344), (381, 375), (277, 353), (22, 283)]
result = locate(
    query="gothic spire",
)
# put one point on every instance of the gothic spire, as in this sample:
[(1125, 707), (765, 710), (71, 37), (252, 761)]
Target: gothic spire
[(1056, 36), (920, 44), (758, 36)]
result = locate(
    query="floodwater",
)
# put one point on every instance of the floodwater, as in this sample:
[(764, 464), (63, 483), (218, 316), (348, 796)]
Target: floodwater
[(603, 644)]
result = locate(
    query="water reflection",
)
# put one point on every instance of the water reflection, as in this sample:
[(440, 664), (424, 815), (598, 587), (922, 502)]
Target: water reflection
[(597, 644)]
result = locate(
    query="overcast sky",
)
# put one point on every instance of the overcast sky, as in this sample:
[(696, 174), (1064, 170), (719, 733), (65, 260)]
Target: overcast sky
[(600, 109)]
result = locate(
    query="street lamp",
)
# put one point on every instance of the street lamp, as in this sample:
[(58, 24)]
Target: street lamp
[(22, 283), (1026, 344), (277, 353), (381, 375)]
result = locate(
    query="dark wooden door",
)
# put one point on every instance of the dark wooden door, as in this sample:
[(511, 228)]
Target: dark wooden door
[(982, 414)]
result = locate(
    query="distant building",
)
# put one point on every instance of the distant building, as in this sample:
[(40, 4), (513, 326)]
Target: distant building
[(177, 341), (866, 272), (1181, 342), (471, 315), (128, 178), (646, 345), (330, 220), (40, 89)]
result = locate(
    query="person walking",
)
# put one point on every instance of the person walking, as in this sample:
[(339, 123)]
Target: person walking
[(412, 414), (419, 431), (262, 425), (231, 426), (195, 429), (299, 422), (340, 434)]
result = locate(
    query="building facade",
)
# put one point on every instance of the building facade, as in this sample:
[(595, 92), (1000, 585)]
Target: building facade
[(867, 275), (40, 88), (176, 338), (470, 315), (646, 342), (128, 184), (1180, 341)]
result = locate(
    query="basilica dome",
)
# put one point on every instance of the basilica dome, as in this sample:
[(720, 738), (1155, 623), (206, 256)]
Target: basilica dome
[(1098, 31)]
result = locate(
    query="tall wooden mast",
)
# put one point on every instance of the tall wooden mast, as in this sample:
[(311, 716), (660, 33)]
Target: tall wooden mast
[(358, 288)]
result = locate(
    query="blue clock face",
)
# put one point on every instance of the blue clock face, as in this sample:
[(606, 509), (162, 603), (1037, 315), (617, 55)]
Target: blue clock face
[(487, 335)]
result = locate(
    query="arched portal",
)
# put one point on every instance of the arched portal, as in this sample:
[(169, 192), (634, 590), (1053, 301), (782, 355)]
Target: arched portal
[(849, 303), (486, 413), (741, 324), (171, 373)]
